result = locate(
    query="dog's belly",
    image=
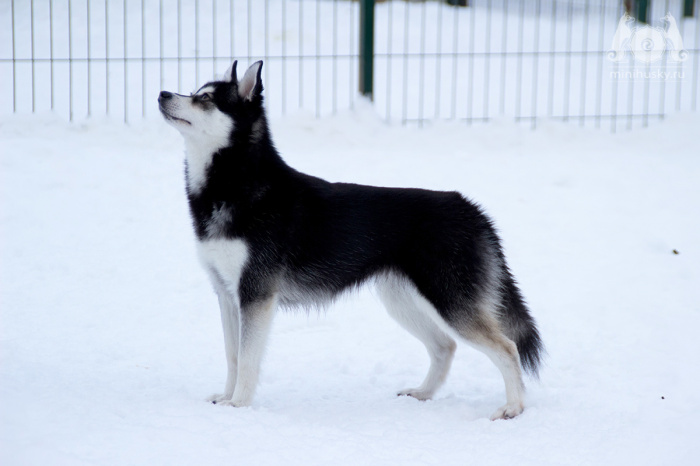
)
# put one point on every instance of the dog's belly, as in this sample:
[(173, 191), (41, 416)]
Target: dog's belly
[(224, 260)]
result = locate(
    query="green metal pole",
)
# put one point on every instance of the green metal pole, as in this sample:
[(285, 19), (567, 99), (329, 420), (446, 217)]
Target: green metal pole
[(366, 47), (688, 8), (642, 11)]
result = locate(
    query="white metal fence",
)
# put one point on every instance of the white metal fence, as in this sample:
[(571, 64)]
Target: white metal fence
[(527, 59)]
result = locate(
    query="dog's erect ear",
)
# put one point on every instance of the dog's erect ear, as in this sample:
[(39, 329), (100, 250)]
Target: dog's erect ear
[(230, 74), (251, 83)]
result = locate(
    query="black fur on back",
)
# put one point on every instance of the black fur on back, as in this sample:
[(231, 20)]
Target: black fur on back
[(310, 239)]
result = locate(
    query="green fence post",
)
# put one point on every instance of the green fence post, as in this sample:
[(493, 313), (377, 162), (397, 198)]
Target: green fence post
[(688, 8), (642, 11), (366, 47)]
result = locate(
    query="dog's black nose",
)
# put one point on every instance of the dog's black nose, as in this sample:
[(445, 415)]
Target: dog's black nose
[(165, 95)]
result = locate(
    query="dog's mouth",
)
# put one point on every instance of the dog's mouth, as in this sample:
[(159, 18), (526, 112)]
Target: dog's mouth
[(170, 117)]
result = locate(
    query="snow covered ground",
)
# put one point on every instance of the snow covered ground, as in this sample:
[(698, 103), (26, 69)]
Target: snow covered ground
[(110, 337)]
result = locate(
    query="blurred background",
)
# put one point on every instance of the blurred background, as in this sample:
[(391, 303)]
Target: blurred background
[(419, 61)]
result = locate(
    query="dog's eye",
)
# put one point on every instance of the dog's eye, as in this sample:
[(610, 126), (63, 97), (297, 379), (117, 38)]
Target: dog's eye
[(205, 97)]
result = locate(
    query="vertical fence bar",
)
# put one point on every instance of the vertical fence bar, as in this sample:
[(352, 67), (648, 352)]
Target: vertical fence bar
[(535, 65), (504, 57), (455, 54), (366, 47), (267, 49), (696, 61), (196, 43), (284, 58), (519, 66), (404, 104), (662, 84), (552, 56), (160, 45), (89, 59), (599, 84), (688, 9), (584, 63), (301, 54), (421, 65), (318, 59), (14, 62), (334, 107), (231, 30), (106, 57), (389, 49), (179, 46), (470, 92), (249, 13), (31, 7), (630, 101), (126, 66), (213, 39), (567, 74), (351, 70), (438, 65), (70, 62), (50, 48), (143, 59), (615, 87), (487, 62), (642, 10), (679, 83)]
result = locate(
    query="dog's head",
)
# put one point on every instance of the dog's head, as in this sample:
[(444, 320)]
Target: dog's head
[(213, 112)]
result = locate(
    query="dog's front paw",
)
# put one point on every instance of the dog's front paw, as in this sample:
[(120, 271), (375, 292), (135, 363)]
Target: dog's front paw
[(416, 393), (233, 403), (218, 398), (507, 411)]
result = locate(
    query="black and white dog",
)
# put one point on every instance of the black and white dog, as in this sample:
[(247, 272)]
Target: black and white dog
[(268, 235)]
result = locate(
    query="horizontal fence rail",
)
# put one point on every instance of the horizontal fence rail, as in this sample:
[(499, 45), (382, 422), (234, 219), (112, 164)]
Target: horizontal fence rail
[(528, 60)]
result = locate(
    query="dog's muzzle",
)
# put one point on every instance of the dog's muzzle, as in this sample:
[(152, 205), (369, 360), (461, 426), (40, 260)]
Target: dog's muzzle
[(163, 99)]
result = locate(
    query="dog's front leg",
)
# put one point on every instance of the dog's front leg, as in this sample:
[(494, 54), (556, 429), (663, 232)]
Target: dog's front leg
[(254, 327), (229, 322)]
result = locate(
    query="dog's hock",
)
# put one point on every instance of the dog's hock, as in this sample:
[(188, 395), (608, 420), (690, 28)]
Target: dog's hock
[(251, 84)]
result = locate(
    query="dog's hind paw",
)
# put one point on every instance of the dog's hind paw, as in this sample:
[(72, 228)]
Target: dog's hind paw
[(416, 393), (218, 398), (507, 411)]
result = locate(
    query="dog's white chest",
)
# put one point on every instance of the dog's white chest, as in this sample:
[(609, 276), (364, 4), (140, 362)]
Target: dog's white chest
[(226, 258)]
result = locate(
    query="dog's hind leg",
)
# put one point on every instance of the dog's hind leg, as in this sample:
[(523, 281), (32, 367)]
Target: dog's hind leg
[(409, 310), (229, 322), (485, 335), (254, 326)]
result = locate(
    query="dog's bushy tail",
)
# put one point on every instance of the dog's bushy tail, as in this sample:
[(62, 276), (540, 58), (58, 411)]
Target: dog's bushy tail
[(520, 327)]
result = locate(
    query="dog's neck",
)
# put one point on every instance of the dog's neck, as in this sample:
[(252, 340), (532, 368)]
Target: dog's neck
[(199, 153), (227, 183)]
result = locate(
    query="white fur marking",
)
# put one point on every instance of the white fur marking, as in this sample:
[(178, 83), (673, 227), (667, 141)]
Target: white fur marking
[(419, 317), (220, 217), (227, 258), (254, 329), (208, 134)]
